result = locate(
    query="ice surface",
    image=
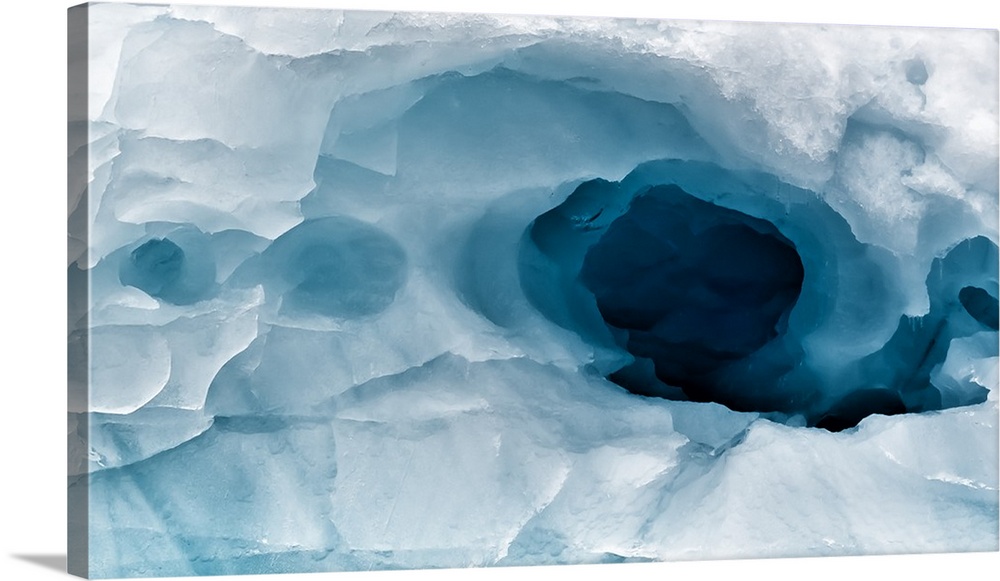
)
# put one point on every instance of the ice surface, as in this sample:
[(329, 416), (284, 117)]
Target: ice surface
[(368, 290)]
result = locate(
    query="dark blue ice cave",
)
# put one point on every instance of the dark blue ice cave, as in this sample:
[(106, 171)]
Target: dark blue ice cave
[(695, 285), (714, 281)]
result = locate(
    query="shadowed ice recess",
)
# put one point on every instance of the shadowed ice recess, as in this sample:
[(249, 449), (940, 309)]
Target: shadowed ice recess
[(717, 305), (377, 290)]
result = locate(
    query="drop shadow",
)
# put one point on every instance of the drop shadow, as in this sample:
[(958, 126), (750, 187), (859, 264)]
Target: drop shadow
[(53, 562)]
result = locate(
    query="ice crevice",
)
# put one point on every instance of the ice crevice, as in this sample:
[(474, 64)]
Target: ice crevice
[(459, 290)]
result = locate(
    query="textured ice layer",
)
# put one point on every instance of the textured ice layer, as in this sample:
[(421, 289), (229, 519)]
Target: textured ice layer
[(365, 289)]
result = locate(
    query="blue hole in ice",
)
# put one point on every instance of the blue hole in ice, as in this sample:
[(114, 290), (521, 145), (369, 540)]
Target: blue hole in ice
[(981, 305), (156, 264), (695, 285), (916, 72), (715, 304), (162, 269)]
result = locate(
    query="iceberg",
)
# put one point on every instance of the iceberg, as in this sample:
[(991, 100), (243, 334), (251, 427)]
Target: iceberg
[(360, 290)]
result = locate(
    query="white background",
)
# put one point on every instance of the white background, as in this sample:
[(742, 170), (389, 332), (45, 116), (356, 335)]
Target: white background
[(32, 284)]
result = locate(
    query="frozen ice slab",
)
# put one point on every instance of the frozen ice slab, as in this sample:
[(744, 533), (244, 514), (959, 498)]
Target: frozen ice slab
[(355, 290)]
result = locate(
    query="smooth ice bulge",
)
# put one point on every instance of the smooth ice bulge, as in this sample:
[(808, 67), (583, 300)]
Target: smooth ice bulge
[(334, 266)]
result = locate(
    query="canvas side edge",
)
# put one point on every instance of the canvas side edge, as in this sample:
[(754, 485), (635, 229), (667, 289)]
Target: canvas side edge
[(78, 292)]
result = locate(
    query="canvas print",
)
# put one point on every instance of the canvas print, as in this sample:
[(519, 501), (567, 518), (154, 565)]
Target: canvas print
[(356, 290)]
